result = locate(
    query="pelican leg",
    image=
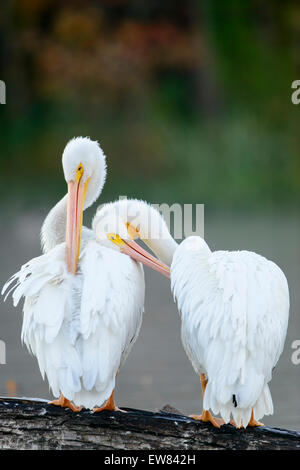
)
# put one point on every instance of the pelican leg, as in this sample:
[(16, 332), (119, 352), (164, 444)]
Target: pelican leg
[(253, 421), (109, 405), (65, 403), (206, 416)]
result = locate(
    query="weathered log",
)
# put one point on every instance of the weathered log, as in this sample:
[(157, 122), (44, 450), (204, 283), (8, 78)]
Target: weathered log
[(34, 424)]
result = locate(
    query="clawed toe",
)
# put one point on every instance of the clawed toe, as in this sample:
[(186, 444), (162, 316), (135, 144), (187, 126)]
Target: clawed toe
[(206, 417), (65, 403)]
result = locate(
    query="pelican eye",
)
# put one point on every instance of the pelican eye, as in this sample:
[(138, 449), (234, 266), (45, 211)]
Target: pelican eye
[(133, 231), (111, 236), (79, 172)]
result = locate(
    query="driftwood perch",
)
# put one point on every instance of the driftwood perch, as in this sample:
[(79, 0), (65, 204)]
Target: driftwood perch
[(33, 424)]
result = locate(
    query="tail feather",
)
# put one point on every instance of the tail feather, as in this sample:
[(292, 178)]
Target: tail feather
[(240, 412), (92, 398), (264, 405)]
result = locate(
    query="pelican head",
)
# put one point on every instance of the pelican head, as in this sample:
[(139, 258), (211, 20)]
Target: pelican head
[(85, 171), (116, 226)]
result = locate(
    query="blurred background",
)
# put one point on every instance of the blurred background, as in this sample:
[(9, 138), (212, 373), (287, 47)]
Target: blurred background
[(191, 102)]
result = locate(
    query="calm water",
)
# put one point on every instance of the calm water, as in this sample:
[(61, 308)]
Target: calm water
[(157, 371)]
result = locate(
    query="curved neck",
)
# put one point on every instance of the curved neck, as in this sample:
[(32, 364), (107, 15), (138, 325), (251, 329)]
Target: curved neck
[(53, 229), (164, 248), (152, 229)]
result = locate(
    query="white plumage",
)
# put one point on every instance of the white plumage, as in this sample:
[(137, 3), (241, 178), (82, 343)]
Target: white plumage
[(80, 326), (84, 300), (234, 308)]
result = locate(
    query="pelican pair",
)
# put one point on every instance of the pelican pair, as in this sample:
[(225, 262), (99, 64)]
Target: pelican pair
[(84, 301)]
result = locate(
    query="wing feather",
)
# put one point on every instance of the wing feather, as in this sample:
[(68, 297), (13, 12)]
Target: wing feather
[(234, 308), (50, 317), (112, 304), (81, 328)]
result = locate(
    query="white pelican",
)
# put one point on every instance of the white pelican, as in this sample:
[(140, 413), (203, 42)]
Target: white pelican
[(83, 308), (234, 309)]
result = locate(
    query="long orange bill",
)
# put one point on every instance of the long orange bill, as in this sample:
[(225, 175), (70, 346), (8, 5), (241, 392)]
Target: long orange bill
[(76, 193), (136, 252)]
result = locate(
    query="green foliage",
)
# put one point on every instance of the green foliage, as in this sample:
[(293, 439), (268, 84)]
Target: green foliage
[(190, 104)]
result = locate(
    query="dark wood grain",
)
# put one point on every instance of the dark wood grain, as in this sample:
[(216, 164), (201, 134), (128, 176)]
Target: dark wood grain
[(34, 424)]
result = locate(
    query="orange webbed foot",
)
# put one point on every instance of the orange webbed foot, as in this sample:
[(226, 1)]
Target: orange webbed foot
[(206, 417), (253, 422), (109, 405), (108, 408), (65, 403)]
